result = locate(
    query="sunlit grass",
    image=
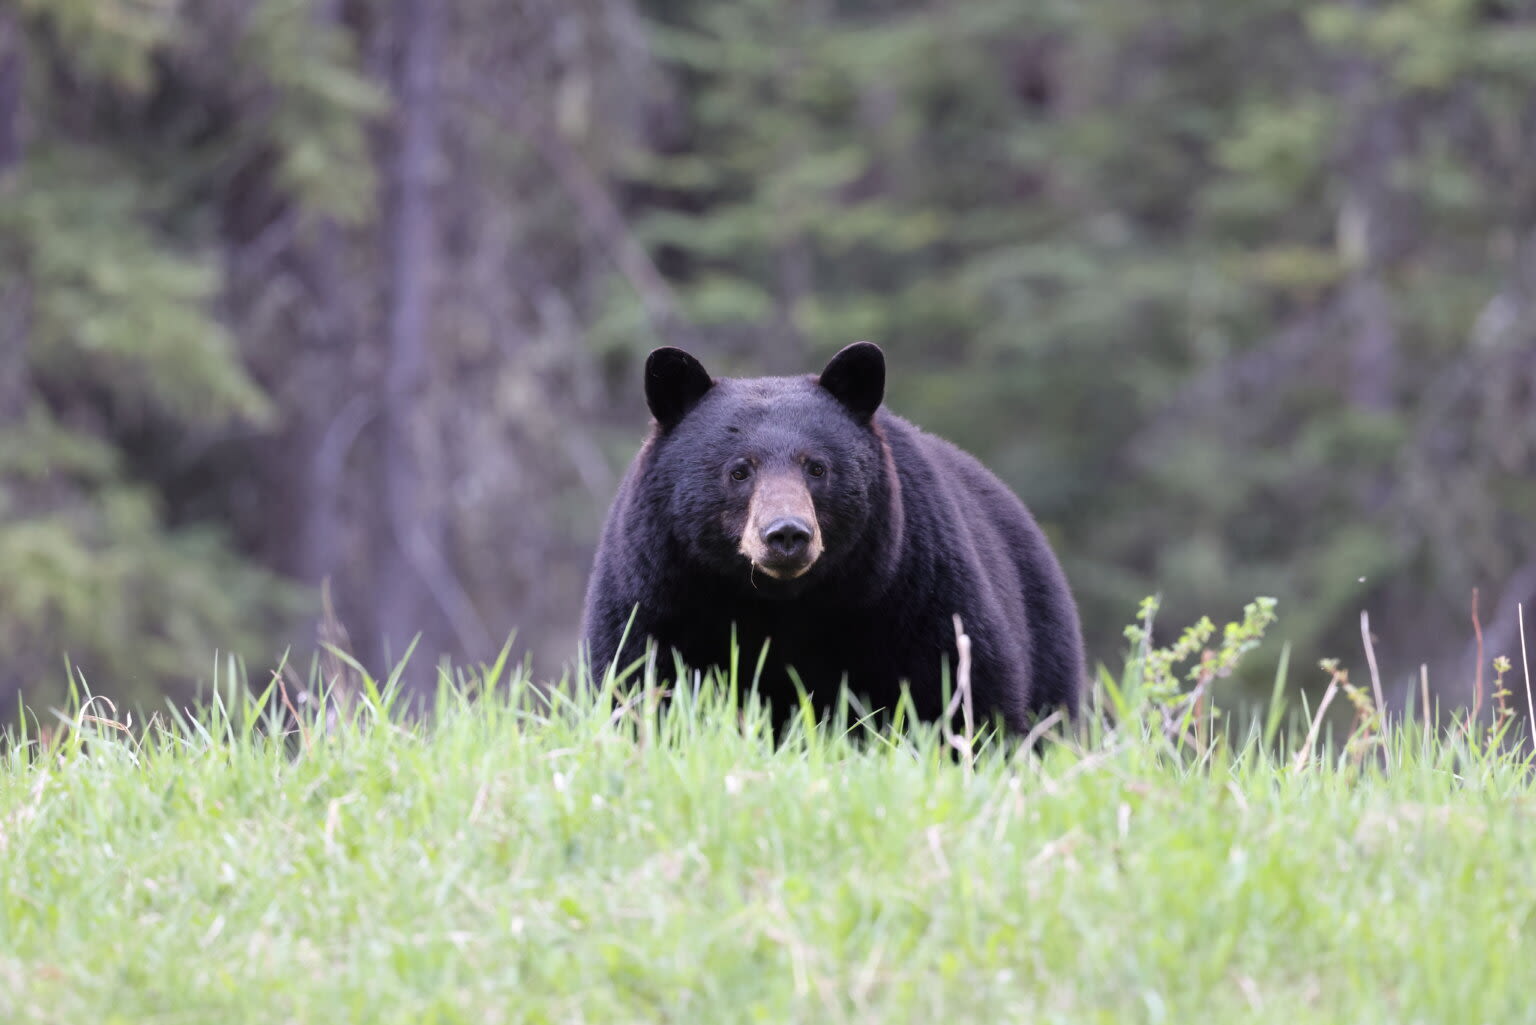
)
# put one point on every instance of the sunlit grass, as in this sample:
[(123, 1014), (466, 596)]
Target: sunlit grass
[(615, 858)]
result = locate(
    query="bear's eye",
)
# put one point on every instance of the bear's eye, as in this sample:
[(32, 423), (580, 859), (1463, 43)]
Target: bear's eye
[(816, 469), (741, 471)]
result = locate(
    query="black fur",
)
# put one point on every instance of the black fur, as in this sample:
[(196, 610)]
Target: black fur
[(915, 530)]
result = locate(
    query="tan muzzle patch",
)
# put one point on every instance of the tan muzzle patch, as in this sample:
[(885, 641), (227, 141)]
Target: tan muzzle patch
[(782, 537)]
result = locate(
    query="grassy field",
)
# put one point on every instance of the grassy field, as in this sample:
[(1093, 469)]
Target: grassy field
[(580, 866)]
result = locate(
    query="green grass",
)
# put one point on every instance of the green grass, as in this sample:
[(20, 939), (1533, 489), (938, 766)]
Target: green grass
[(510, 865)]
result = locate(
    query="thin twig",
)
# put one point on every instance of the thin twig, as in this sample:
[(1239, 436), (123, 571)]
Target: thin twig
[(1502, 631), (1477, 690), (1192, 707), (964, 744), (1370, 660), (104, 721), (1424, 695), (339, 684), (298, 720), (1037, 731), (1305, 754), (1525, 664)]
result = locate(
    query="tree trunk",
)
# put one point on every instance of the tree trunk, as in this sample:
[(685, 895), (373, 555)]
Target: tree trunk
[(1369, 235), (12, 78), (408, 519), (326, 431), (14, 386), (418, 591)]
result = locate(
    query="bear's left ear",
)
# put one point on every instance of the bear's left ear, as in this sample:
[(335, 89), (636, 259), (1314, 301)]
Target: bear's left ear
[(856, 378), (674, 382)]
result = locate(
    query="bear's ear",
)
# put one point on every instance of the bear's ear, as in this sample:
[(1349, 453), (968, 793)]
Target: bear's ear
[(674, 382), (856, 378)]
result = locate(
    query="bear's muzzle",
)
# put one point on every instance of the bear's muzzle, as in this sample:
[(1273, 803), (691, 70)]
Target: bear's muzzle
[(781, 537)]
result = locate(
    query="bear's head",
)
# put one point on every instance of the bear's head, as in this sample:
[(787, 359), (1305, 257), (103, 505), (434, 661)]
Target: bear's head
[(770, 482)]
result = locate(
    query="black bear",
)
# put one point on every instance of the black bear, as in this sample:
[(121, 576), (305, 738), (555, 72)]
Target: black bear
[(800, 512)]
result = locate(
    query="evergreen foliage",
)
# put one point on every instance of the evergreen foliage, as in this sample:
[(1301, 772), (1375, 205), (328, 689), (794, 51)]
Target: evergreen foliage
[(106, 236), (1238, 294)]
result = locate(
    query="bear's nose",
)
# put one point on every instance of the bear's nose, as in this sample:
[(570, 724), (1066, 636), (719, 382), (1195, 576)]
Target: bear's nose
[(788, 538)]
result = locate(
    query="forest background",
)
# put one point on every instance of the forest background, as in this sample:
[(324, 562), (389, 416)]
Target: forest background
[(1239, 295)]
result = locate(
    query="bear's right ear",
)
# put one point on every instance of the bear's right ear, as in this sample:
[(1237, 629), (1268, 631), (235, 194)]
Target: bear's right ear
[(674, 382)]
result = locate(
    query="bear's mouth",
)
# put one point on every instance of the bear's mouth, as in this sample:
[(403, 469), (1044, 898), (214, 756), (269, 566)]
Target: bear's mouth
[(783, 569)]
